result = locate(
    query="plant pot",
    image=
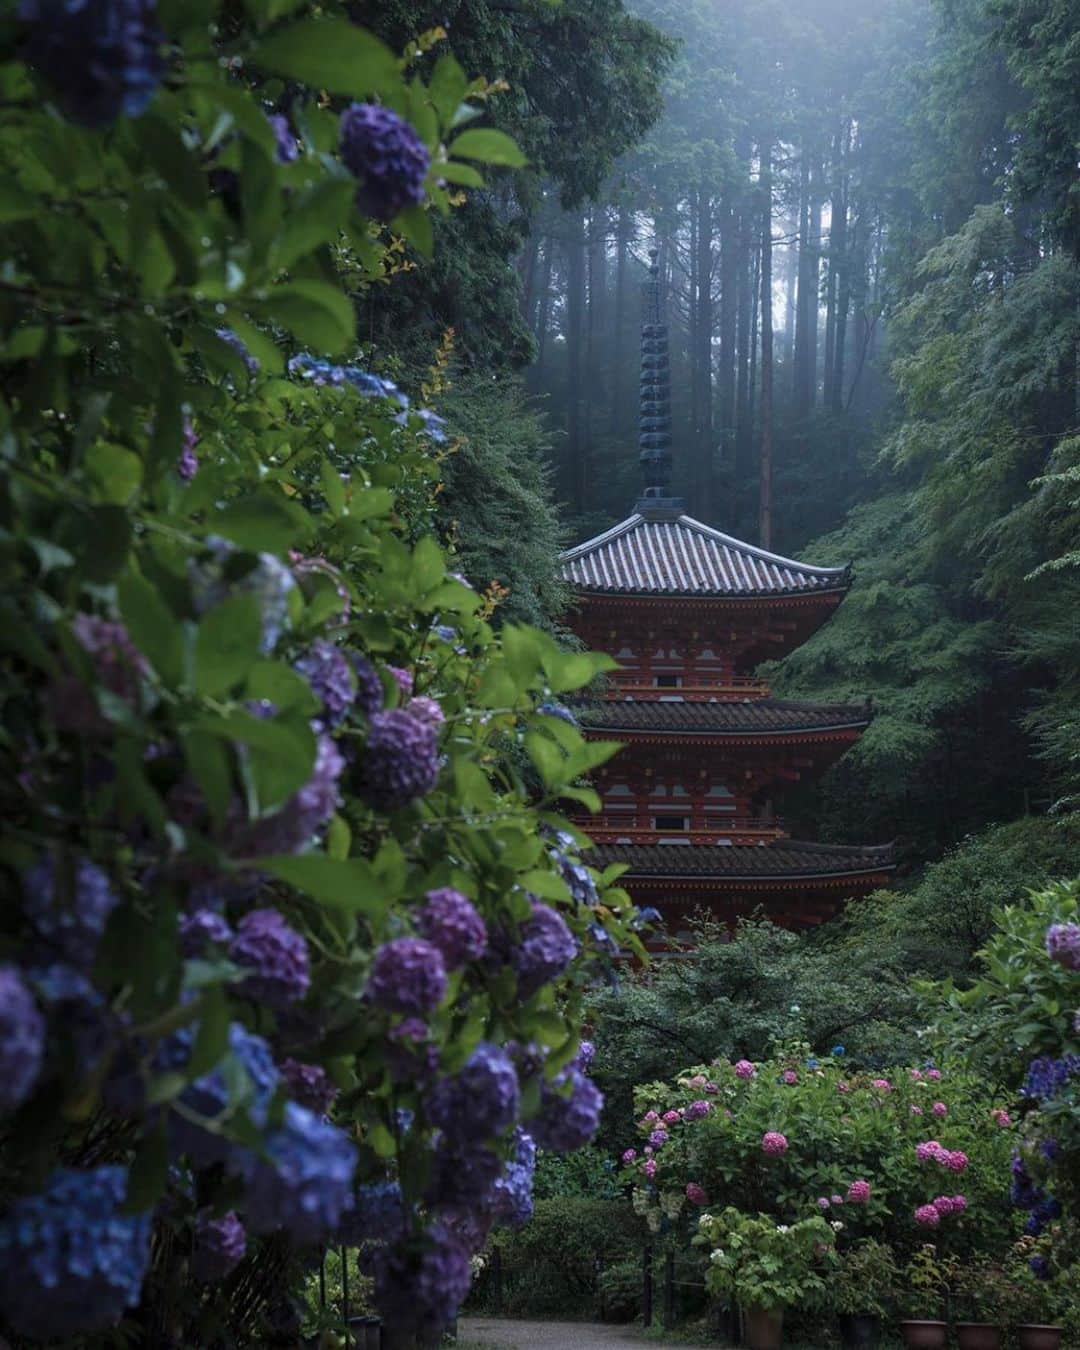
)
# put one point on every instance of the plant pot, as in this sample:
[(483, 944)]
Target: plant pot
[(925, 1335), (1035, 1336), (859, 1330), (978, 1336), (763, 1328)]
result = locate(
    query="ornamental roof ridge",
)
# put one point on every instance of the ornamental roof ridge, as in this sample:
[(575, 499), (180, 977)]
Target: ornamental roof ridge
[(777, 860), (732, 717), (678, 555)]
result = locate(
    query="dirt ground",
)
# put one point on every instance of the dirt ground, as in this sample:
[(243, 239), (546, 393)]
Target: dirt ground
[(501, 1333)]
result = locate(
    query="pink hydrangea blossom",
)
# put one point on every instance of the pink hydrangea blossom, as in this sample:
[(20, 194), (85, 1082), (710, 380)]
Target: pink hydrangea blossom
[(647, 1150), (843, 1087), (915, 1073), (649, 1167), (940, 1109), (1001, 1118), (837, 1199), (943, 1204), (629, 1156), (926, 1150), (698, 1080), (956, 1161), (712, 1089), (959, 1204), (790, 1076), (934, 1074), (773, 1142), (823, 1202), (649, 1117), (916, 1110), (744, 1069), (671, 1117), (928, 1216), (858, 1193), (696, 1194), (882, 1084)]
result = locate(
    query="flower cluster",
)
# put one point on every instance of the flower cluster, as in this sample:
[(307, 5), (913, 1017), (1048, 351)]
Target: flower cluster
[(71, 1260), (544, 949), (275, 955), (932, 1151), (68, 901), (326, 668), (102, 57), (408, 975), (450, 922), (1047, 1077), (774, 1143), (219, 1247), (401, 759), (1063, 944), (387, 157), (22, 1040)]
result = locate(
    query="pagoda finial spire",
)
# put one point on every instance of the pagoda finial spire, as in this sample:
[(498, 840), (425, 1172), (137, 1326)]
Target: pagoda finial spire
[(655, 426)]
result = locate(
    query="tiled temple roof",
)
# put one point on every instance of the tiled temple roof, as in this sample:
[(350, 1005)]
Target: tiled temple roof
[(666, 554), (784, 859), (757, 717)]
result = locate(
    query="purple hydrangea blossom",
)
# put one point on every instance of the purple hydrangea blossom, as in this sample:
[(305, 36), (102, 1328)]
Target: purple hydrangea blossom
[(220, 1245), (199, 930), (451, 922), (585, 1056), (658, 1138), (387, 157), (275, 954), (77, 1010), (286, 148), (239, 346), (22, 1040), (101, 57), (481, 1101), (71, 917), (408, 975), (551, 708), (208, 1096), (369, 690), (567, 1120), (118, 666), (301, 818), (310, 1085), (377, 1215), (1046, 1077), (326, 668), (513, 1199), (403, 679), (419, 1287), (187, 465), (545, 949), (427, 710), (71, 1261), (463, 1179), (301, 1181), (572, 870), (411, 1055), (401, 759), (1063, 944)]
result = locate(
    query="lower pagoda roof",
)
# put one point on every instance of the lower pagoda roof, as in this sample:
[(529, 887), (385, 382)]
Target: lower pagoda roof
[(745, 717), (784, 860)]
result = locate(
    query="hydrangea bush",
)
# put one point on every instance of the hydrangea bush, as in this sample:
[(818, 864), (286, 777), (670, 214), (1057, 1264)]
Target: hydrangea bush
[(797, 1136), (286, 926), (1020, 1022)]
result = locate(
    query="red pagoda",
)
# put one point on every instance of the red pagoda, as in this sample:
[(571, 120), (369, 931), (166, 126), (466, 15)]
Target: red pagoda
[(689, 613)]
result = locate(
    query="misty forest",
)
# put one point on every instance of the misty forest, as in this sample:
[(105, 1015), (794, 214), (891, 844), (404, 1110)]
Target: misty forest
[(539, 673)]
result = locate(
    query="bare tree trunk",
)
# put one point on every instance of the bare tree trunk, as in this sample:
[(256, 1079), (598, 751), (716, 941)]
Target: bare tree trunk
[(619, 398), (745, 298), (765, 500), (802, 311), (543, 308), (703, 324), (726, 378), (575, 316), (528, 269)]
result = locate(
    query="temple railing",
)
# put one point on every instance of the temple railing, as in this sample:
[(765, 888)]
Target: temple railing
[(607, 828), (730, 689)]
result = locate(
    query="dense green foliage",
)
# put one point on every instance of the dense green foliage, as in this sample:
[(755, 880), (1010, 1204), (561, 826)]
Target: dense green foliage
[(215, 559)]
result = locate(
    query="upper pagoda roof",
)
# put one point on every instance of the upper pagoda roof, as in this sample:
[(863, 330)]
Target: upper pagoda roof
[(664, 553), (783, 860)]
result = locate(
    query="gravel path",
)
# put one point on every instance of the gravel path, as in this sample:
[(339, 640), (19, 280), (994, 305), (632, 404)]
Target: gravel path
[(504, 1333)]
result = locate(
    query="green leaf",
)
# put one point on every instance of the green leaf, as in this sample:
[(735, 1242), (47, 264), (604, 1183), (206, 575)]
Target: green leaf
[(314, 219), (332, 486), (153, 627), (331, 54), (414, 224), (280, 752), (149, 1172), (115, 472), (15, 204), (208, 763), (212, 1037), (338, 838), (263, 522), (350, 884), (455, 172), (280, 685), (104, 541), (227, 644), (316, 313), (489, 146), (381, 1141), (448, 86)]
